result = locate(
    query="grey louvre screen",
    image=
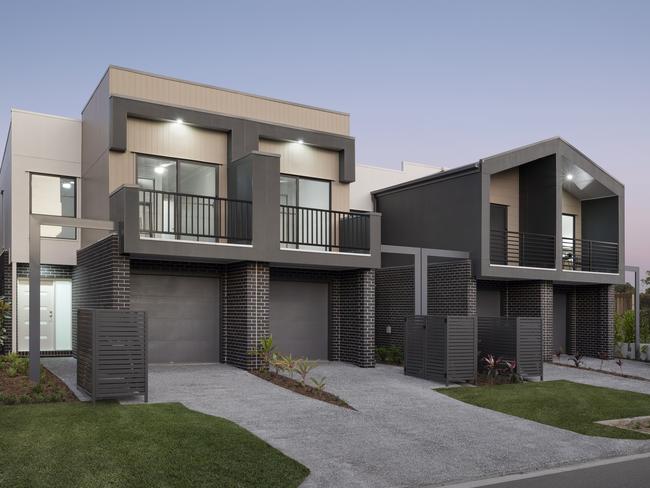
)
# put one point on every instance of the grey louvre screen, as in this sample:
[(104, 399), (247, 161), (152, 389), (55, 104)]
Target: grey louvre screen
[(518, 338), (112, 353), (441, 348)]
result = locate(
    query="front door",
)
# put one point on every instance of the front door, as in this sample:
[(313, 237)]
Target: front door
[(47, 315), (498, 234), (559, 322)]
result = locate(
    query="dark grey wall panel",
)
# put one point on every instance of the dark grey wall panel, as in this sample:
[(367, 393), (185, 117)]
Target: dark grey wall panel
[(439, 214), (600, 219), (537, 195)]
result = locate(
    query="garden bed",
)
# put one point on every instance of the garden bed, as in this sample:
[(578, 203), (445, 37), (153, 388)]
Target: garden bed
[(298, 387), (603, 371), (16, 387)]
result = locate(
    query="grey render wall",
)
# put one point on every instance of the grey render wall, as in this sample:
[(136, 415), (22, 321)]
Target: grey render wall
[(537, 195), (444, 213), (600, 219)]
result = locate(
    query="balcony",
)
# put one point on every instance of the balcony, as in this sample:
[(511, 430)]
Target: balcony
[(585, 255), (181, 216), (522, 249), (324, 230), (538, 251)]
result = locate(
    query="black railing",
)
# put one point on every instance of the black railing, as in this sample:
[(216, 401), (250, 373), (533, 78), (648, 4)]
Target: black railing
[(522, 249), (585, 255), (326, 230), (195, 217)]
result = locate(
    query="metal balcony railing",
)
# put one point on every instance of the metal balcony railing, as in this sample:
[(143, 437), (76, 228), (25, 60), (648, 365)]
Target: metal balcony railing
[(326, 230), (194, 217), (522, 249), (586, 255)]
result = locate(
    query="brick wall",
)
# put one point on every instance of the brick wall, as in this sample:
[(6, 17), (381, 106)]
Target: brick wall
[(594, 309), (245, 311), (5, 283), (394, 301), (451, 288), (451, 291), (357, 323), (532, 299), (101, 279)]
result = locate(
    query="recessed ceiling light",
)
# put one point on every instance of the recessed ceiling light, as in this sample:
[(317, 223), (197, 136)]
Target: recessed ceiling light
[(67, 185), (300, 141), (569, 177), (159, 169), (179, 121)]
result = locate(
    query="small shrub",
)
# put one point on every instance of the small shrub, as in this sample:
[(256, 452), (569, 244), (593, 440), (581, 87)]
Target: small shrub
[(303, 368), (510, 371), (491, 365), (390, 355), (288, 364), (264, 352), (319, 383), (577, 359)]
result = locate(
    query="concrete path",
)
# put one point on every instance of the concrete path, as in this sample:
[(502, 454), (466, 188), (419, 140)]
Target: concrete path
[(403, 433)]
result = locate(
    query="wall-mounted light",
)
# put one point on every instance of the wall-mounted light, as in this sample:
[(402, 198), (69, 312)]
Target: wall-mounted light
[(179, 121), (569, 177), (300, 141), (67, 185), (160, 170)]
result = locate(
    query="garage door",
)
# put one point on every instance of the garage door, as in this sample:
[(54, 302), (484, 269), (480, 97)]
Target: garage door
[(299, 318), (183, 316)]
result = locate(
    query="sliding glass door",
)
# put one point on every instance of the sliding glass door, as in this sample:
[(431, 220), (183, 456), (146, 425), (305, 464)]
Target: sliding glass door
[(305, 212), (182, 202)]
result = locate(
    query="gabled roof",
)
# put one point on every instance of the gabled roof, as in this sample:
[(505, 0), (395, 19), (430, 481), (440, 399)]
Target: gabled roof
[(517, 157)]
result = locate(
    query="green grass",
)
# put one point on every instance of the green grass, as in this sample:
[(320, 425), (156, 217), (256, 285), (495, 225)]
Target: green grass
[(563, 404), (110, 445)]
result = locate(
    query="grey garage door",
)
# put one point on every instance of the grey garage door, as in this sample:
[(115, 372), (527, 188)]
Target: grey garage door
[(182, 314), (299, 318)]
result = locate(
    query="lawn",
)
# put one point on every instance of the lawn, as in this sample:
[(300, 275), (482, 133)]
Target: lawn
[(563, 404), (155, 445)]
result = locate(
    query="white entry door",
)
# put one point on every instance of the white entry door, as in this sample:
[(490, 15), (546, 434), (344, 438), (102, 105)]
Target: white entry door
[(47, 315)]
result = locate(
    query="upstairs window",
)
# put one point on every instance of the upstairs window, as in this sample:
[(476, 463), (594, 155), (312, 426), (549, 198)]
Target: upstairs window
[(54, 195)]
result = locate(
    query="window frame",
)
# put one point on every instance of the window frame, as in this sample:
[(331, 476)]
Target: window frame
[(177, 162), (76, 200), (298, 178)]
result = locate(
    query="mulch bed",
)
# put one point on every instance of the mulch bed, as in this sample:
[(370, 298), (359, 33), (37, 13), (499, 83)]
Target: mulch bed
[(296, 386), (19, 389), (603, 371)]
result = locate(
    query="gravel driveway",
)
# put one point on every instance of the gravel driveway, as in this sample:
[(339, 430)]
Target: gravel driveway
[(403, 434)]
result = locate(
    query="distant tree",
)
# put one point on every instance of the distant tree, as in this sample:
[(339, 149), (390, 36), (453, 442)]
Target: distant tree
[(626, 288)]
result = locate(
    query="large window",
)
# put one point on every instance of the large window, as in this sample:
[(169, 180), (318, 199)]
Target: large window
[(182, 202), (54, 195)]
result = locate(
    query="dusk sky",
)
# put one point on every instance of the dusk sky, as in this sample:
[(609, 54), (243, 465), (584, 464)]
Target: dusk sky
[(437, 82)]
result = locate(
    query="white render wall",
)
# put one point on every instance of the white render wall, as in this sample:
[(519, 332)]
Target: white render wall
[(44, 144), (370, 178)]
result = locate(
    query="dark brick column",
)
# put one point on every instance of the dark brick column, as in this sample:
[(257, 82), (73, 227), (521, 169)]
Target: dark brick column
[(594, 311), (6, 292), (245, 309), (101, 279), (357, 317), (533, 299)]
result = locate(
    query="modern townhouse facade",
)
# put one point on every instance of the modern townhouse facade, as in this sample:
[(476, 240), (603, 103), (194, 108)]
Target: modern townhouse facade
[(543, 227), (232, 214)]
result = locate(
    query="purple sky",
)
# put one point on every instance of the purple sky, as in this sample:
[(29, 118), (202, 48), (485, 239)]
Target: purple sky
[(439, 82)]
